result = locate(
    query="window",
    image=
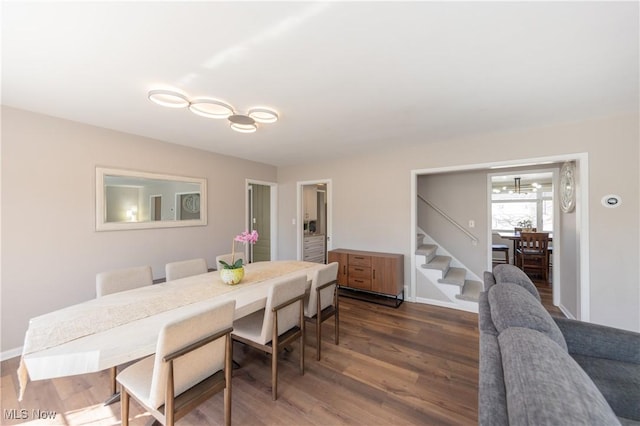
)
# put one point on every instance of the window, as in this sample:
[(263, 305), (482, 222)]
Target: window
[(534, 202)]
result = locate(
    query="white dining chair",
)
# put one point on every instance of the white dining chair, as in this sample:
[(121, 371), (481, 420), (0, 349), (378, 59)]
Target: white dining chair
[(279, 324), (123, 279), (321, 303), (115, 281), (192, 362), (185, 268), (227, 258)]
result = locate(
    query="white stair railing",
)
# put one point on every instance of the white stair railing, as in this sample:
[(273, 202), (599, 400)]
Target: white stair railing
[(474, 239)]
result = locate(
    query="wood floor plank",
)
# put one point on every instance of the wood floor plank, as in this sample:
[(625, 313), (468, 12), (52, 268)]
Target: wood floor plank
[(414, 365)]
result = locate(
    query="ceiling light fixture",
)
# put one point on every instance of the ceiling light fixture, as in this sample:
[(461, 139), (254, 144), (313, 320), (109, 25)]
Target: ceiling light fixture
[(214, 108), (242, 123), (168, 98), (210, 108), (263, 115)]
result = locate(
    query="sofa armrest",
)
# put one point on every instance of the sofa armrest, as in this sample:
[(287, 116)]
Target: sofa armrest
[(600, 341)]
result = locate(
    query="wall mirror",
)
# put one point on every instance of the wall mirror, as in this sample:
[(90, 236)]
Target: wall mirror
[(127, 199)]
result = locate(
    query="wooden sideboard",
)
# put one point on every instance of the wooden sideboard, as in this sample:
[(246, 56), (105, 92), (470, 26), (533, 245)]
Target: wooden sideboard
[(381, 273)]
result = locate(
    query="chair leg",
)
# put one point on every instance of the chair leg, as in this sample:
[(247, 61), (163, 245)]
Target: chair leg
[(302, 348), (274, 374), (336, 317), (124, 407), (318, 335), (228, 367)]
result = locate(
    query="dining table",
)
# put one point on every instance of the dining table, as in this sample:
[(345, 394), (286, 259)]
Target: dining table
[(121, 327)]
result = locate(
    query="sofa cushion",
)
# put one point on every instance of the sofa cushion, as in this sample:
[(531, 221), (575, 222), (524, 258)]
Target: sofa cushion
[(545, 386), (492, 401), (618, 381), (485, 323), (515, 275), (513, 306), (489, 280)]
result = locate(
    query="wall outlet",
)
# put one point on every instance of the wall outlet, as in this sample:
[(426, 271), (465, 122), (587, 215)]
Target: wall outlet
[(472, 224)]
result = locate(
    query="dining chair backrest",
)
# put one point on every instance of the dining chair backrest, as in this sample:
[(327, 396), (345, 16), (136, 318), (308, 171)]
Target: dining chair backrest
[(321, 276), (282, 291), (519, 230), (185, 268), (201, 363), (533, 242), (123, 279), (227, 258)]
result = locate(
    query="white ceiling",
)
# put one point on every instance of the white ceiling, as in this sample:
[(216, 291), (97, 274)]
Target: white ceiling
[(344, 76)]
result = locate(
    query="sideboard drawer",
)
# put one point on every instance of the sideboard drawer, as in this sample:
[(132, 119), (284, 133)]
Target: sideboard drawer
[(361, 283), (360, 272), (357, 259)]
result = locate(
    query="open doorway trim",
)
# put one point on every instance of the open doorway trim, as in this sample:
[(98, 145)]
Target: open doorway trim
[(299, 213), (273, 223), (582, 215)]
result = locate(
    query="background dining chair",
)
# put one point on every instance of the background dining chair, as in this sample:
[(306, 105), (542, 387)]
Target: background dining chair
[(192, 362), (533, 254), (185, 268), (323, 299), (123, 279), (516, 258), (280, 323), (497, 246), (227, 258), (110, 282)]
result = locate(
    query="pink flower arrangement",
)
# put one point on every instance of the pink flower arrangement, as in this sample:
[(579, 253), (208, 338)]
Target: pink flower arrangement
[(245, 237)]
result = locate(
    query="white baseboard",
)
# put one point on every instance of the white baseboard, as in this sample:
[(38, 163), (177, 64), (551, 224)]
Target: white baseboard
[(11, 353), (447, 304), (566, 312)]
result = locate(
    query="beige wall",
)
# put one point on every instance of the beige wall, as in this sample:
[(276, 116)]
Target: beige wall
[(371, 199), (51, 252), (50, 249), (462, 196)]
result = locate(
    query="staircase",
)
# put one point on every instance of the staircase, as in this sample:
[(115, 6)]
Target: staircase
[(442, 280)]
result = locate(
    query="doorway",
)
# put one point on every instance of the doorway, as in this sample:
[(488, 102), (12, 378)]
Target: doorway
[(155, 207), (571, 288), (521, 199), (261, 217), (314, 220)]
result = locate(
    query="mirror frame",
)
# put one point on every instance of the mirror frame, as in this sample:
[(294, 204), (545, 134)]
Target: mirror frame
[(102, 225)]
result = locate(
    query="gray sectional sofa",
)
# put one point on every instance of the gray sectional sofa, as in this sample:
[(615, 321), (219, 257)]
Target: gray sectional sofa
[(539, 370)]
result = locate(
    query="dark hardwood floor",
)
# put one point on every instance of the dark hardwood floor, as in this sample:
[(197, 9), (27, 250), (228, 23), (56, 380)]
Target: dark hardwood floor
[(414, 365), (417, 364)]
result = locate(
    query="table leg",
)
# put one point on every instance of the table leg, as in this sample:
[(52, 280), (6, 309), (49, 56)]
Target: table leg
[(115, 395), (112, 399)]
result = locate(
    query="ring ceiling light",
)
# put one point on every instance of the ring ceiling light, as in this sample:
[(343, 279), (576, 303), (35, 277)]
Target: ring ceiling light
[(242, 123), (263, 115), (169, 98), (213, 108)]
